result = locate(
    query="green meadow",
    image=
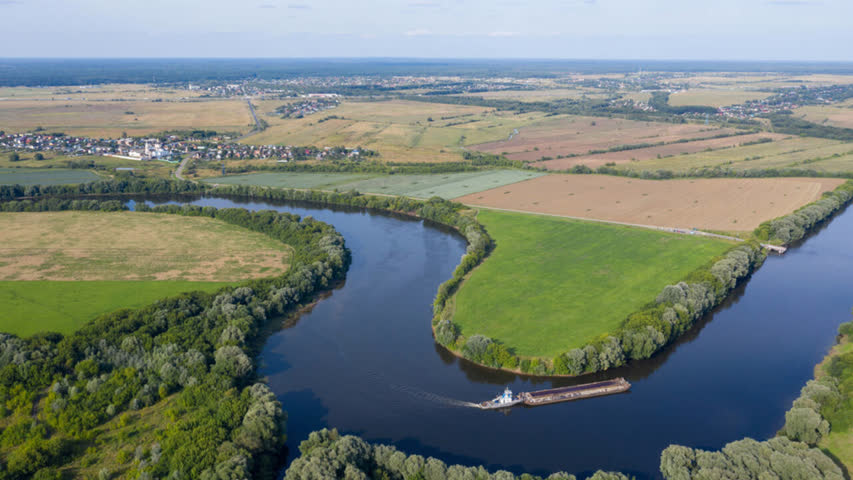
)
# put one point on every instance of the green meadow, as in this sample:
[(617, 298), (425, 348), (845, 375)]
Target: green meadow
[(445, 185), (48, 176), (554, 284), (37, 306)]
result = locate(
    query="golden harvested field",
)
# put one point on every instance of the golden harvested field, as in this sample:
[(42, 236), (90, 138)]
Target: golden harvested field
[(133, 246), (111, 118), (708, 204), (399, 130), (578, 135), (539, 95), (794, 152), (840, 115), (113, 92), (714, 97), (640, 154), (755, 81)]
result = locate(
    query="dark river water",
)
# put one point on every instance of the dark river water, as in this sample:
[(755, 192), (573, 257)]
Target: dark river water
[(363, 360)]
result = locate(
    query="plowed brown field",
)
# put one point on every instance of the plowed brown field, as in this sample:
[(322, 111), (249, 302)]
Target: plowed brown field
[(595, 161), (579, 135), (710, 204)]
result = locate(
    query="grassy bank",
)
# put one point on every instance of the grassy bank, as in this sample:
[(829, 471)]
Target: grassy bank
[(553, 284)]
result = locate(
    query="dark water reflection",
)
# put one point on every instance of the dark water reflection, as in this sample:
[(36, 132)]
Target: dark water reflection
[(363, 360)]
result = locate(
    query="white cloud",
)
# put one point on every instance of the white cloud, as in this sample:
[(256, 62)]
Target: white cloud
[(503, 34)]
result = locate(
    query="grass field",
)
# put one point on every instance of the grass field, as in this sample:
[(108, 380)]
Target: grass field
[(795, 152), (448, 185), (400, 130), (107, 118), (37, 306), (554, 284), (714, 97), (54, 160), (51, 176), (575, 135), (59, 270), (718, 204)]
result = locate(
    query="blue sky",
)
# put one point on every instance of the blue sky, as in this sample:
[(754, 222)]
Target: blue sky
[(610, 29)]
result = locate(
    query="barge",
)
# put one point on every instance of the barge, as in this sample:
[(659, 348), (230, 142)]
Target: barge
[(556, 395), (504, 400)]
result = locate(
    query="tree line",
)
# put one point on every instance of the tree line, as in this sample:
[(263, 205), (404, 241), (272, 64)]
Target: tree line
[(195, 347), (790, 228), (327, 454)]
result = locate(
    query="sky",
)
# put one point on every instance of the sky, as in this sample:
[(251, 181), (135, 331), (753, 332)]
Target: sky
[(812, 30)]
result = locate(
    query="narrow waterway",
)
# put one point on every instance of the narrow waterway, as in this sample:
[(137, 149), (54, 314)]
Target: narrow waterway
[(363, 360)]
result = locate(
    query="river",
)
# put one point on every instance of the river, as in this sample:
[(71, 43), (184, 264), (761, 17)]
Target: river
[(363, 360)]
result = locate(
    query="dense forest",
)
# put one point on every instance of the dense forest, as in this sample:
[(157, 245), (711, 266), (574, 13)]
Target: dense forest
[(44, 72)]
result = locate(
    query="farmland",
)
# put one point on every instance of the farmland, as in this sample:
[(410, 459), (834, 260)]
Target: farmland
[(714, 97), (448, 185), (709, 204), (108, 118), (63, 246), (402, 131), (795, 152), (575, 135), (840, 115), (64, 268), (554, 284), (53, 176), (662, 151), (539, 95)]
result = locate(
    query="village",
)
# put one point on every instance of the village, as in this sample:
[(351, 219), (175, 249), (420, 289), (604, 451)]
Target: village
[(171, 148)]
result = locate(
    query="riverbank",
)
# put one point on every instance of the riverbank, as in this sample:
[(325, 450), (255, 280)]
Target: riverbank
[(642, 333)]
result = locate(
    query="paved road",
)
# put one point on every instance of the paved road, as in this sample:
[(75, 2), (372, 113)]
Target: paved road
[(179, 172), (258, 127)]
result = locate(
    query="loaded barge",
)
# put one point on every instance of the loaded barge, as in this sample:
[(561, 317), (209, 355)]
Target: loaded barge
[(555, 395)]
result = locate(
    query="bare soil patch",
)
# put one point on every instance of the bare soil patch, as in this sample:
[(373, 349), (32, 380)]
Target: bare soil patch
[(708, 204)]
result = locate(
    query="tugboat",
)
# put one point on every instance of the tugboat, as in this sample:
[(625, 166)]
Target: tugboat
[(504, 400)]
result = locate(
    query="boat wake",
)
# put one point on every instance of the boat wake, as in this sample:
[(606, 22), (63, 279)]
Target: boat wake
[(433, 397)]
